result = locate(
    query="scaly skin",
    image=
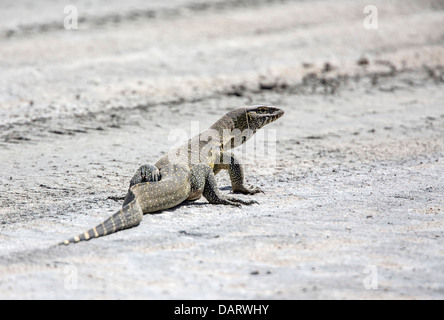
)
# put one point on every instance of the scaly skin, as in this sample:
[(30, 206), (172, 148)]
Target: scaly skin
[(188, 172)]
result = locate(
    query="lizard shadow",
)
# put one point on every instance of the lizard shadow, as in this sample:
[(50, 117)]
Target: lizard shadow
[(188, 203), (183, 204)]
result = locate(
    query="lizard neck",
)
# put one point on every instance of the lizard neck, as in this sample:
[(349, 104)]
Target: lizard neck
[(230, 135)]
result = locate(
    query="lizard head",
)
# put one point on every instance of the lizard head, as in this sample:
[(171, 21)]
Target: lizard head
[(255, 117), (243, 123)]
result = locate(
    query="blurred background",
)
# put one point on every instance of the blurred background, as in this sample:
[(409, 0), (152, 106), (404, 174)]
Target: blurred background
[(127, 53)]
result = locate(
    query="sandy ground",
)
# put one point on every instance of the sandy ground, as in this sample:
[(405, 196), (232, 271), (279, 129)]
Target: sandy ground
[(354, 194)]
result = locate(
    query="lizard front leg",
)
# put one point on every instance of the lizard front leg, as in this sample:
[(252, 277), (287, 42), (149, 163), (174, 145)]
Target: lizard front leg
[(202, 178), (236, 172), (145, 173)]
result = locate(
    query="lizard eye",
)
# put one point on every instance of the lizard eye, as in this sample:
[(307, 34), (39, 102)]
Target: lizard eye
[(262, 110)]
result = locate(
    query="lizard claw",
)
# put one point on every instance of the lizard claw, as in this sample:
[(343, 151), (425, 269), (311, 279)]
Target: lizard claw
[(247, 190), (148, 174), (245, 202), (155, 175)]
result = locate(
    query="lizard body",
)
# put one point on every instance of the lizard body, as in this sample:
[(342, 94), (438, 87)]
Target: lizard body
[(188, 172)]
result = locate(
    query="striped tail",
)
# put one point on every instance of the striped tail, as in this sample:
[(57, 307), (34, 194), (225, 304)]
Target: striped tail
[(127, 217)]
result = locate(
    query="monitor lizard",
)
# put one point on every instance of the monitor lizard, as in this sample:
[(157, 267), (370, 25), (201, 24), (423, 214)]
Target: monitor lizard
[(188, 172)]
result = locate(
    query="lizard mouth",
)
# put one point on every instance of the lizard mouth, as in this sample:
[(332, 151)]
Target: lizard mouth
[(277, 114)]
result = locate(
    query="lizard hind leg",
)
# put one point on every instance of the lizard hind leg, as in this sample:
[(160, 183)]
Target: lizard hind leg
[(145, 173)]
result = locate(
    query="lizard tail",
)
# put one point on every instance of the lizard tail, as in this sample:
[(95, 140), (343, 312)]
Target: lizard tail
[(127, 217)]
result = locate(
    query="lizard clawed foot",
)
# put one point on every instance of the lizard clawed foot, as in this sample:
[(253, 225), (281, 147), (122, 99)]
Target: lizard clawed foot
[(149, 173), (247, 190), (236, 202), (246, 202)]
